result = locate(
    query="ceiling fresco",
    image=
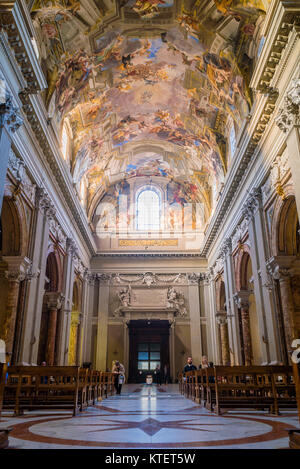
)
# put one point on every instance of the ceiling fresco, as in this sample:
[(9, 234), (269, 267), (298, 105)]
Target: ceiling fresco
[(148, 88)]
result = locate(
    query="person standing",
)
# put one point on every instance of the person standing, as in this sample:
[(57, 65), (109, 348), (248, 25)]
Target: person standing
[(166, 374), (158, 375), (119, 372)]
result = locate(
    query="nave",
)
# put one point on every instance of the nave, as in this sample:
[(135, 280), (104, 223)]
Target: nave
[(145, 417)]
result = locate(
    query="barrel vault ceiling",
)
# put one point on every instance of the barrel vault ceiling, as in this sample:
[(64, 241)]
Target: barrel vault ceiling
[(148, 88)]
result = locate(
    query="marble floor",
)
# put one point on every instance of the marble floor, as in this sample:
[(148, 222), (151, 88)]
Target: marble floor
[(149, 417)]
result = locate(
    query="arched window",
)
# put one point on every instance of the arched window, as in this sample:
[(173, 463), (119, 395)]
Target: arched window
[(232, 139), (65, 142), (148, 210)]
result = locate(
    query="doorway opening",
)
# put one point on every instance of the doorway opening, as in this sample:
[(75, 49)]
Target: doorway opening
[(148, 348)]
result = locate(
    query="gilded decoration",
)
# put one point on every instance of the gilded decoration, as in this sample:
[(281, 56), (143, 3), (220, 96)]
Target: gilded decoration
[(147, 242)]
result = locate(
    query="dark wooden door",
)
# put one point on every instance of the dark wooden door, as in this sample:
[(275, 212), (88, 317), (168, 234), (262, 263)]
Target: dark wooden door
[(148, 346)]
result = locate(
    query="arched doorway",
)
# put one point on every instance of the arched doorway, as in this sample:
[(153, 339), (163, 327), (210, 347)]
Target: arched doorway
[(48, 343), (285, 245), (13, 269)]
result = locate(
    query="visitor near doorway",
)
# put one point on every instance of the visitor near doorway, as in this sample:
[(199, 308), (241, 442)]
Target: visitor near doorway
[(119, 371)]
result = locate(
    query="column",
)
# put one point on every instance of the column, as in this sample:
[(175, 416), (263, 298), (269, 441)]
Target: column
[(65, 319), (73, 339), (252, 212), (288, 120), (101, 358), (242, 301), (221, 318), (54, 303), (287, 307), (281, 269), (210, 312), (10, 121), (172, 350), (17, 270), (195, 325), (88, 309), (232, 311), (44, 212), (270, 339), (126, 344)]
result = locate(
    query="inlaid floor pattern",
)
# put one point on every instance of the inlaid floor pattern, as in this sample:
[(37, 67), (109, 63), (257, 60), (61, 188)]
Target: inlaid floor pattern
[(145, 416)]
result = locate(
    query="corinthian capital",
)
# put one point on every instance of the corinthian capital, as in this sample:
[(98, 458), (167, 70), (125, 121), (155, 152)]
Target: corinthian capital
[(252, 203), (194, 278), (241, 298), (9, 114), (19, 268), (44, 203), (289, 114), (221, 317), (54, 300), (226, 248), (72, 248), (281, 267)]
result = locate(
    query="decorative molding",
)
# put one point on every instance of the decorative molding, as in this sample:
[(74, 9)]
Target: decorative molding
[(18, 29), (19, 269), (147, 242), (289, 115), (225, 249), (252, 204), (287, 21), (9, 113), (148, 254), (221, 318), (44, 203), (54, 300), (17, 169), (241, 298)]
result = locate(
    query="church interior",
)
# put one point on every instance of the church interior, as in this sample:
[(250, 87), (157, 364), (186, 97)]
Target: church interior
[(149, 200)]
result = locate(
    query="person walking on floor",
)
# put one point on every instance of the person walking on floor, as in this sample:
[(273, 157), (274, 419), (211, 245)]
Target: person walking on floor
[(119, 372)]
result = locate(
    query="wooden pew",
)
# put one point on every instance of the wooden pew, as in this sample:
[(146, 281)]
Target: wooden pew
[(47, 387), (189, 384), (296, 370), (3, 371), (204, 378), (106, 384), (259, 387), (94, 387)]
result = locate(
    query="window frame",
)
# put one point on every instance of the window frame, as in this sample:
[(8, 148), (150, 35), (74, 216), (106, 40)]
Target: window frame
[(139, 192)]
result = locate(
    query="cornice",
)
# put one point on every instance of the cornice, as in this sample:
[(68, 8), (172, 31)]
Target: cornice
[(35, 119), (16, 22), (286, 21), (148, 254)]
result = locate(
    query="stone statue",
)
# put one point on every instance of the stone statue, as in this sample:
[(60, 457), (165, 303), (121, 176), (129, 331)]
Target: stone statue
[(124, 301), (176, 300), (124, 296)]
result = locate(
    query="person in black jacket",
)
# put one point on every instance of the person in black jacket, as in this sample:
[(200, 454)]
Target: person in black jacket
[(189, 366)]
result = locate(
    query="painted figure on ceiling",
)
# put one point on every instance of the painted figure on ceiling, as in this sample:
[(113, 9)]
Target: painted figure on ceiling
[(148, 9)]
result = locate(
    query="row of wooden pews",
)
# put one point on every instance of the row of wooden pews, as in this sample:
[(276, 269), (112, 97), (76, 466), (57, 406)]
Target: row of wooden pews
[(52, 387), (258, 387)]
